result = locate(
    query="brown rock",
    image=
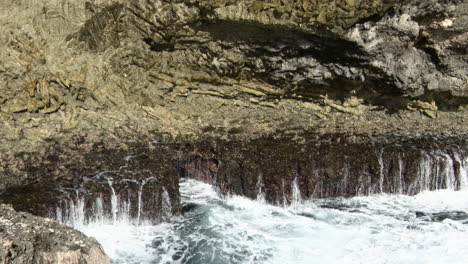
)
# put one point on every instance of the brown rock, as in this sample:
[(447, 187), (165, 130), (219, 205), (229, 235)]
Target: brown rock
[(25, 238)]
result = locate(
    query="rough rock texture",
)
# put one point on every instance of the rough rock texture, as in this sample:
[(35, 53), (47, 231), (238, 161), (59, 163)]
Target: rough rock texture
[(56, 174), (107, 70), (422, 47), (25, 238), (84, 84), (330, 165)]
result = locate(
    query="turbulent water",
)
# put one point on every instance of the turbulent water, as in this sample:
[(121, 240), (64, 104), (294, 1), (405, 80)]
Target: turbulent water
[(431, 227)]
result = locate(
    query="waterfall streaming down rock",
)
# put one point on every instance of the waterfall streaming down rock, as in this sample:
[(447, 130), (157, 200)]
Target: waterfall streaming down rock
[(260, 190), (400, 185), (296, 199), (424, 171), (134, 193), (113, 197), (283, 192), (73, 212), (437, 170), (166, 207), (463, 171), (114, 203), (98, 210), (449, 173), (381, 171), (394, 169), (140, 197), (111, 202)]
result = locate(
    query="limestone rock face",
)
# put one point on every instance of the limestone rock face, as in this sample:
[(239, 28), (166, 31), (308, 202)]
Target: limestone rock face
[(25, 238)]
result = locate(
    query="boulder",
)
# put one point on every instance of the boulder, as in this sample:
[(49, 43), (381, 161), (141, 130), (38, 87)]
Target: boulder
[(28, 239)]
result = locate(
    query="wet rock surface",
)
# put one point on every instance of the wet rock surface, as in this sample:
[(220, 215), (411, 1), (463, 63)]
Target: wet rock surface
[(330, 165), (441, 216), (25, 238), (321, 166), (65, 174)]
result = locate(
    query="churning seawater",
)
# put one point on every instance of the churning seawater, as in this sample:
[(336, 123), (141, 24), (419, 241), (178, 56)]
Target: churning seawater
[(431, 227)]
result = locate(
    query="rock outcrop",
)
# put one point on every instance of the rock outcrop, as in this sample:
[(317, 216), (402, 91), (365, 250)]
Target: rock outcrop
[(105, 94), (25, 238)]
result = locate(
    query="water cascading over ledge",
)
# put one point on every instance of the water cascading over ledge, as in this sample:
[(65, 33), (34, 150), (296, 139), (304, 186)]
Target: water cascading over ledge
[(331, 166), (149, 205), (131, 194), (282, 170)]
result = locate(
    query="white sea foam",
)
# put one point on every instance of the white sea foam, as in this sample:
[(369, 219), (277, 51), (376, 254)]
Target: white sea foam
[(381, 228)]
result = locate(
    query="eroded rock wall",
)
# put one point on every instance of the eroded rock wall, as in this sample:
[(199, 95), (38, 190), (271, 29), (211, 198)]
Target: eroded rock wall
[(62, 174), (141, 183), (335, 165)]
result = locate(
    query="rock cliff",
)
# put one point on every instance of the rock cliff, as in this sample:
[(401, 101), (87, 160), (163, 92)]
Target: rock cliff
[(107, 70), (196, 88)]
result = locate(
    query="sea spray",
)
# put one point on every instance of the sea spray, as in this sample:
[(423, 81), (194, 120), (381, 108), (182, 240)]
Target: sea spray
[(234, 229), (114, 202), (140, 200), (296, 199), (463, 174), (166, 207), (260, 189), (381, 170), (448, 172), (400, 187)]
